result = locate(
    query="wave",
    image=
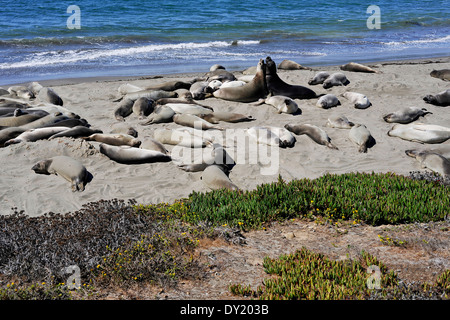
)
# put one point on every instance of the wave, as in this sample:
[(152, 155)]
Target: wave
[(415, 42), (71, 56)]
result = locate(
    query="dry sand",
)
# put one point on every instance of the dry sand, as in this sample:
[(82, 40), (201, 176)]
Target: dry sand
[(401, 84)]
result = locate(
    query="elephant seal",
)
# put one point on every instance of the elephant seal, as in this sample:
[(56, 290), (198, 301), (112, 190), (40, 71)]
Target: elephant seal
[(283, 104), (9, 133), (142, 107), (328, 101), (69, 123), (128, 88), (420, 132), (443, 74), (75, 132), (335, 79), (121, 127), (124, 109), (20, 119), (149, 94), (33, 135), (216, 67), (357, 67), (217, 156), (287, 140), (214, 84), (360, 135), (152, 144), (162, 114), (184, 98), (272, 136), (319, 78), (200, 90), (441, 99), (340, 122), (221, 75), (193, 121), (215, 178), (187, 108), (170, 86), (46, 121), (317, 134), (114, 139), (217, 116), (277, 87), (21, 92), (235, 83), (432, 160), (45, 94), (359, 100), (132, 155), (70, 169), (250, 92), (406, 115), (291, 65), (180, 138)]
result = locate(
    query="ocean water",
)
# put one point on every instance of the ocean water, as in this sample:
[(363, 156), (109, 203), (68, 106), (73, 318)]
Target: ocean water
[(38, 40)]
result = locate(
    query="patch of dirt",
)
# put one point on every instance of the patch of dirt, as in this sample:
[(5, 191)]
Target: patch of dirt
[(416, 252)]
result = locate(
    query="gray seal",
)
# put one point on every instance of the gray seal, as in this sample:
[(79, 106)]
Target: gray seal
[(132, 155), (441, 99), (360, 135), (317, 134), (335, 79), (70, 169), (433, 161), (443, 74), (406, 115), (277, 87)]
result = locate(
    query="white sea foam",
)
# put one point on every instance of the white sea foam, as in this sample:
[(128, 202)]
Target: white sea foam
[(415, 42)]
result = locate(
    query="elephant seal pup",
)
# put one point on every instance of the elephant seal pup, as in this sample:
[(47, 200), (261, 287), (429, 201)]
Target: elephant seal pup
[(180, 138), (420, 132), (335, 79), (20, 119), (441, 99), (221, 75), (360, 135), (215, 178), (124, 109), (214, 84), (359, 100), (193, 121), (187, 108), (142, 107), (357, 67), (46, 121), (217, 116), (70, 169), (277, 87), (184, 98), (200, 90), (250, 92), (431, 160), (132, 155), (121, 127), (443, 74), (75, 132), (283, 104), (149, 94), (217, 156), (152, 144), (33, 135), (21, 92), (319, 78), (128, 88), (235, 83), (406, 115), (170, 86), (162, 114), (328, 101), (114, 139), (340, 122), (9, 133), (291, 65), (264, 135), (317, 134), (287, 140)]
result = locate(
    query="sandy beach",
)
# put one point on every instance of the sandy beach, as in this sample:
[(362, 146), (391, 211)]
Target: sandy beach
[(398, 85)]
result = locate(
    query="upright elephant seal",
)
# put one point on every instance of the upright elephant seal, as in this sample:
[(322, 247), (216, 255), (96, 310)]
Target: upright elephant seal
[(142, 107), (340, 122), (250, 92), (406, 115), (132, 155), (114, 139), (232, 117), (70, 169), (443, 74), (317, 134), (357, 67), (432, 161), (319, 78), (283, 104), (441, 99), (360, 135), (359, 100), (328, 101), (420, 132), (335, 79), (291, 65), (277, 87), (215, 178)]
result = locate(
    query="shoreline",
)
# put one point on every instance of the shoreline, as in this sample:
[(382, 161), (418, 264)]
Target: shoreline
[(78, 80)]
